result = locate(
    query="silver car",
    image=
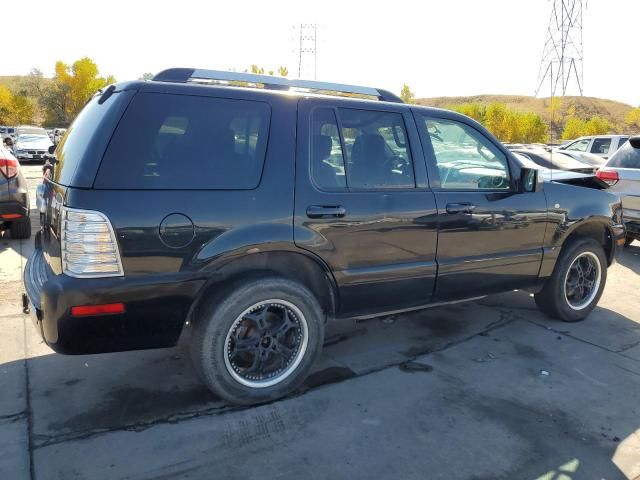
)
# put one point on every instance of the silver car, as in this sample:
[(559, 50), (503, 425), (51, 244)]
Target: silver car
[(622, 173), (601, 145)]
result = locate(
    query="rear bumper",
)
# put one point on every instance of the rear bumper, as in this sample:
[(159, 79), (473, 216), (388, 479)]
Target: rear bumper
[(156, 309), (12, 207)]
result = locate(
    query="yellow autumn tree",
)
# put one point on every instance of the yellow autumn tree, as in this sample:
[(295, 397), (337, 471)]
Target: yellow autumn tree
[(574, 127), (70, 89), (15, 109), (597, 125), (406, 94), (633, 118)]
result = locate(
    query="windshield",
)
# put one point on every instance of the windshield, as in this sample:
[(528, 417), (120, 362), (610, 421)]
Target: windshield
[(33, 138)]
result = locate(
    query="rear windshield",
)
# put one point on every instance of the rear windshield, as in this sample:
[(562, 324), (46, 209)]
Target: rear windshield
[(187, 142), (625, 157), (86, 140)]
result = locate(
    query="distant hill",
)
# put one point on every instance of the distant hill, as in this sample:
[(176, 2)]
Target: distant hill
[(584, 107)]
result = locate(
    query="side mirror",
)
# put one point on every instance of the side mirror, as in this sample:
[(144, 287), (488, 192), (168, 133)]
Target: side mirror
[(52, 149), (530, 180)]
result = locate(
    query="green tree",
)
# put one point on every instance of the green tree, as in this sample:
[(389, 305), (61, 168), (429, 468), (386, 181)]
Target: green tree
[(406, 94), (70, 89), (146, 76), (256, 69)]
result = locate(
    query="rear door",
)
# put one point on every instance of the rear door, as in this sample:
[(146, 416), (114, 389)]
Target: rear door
[(363, 204), (490, 235)]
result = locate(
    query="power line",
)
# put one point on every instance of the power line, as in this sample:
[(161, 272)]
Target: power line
[(307, 50), (563, 54)]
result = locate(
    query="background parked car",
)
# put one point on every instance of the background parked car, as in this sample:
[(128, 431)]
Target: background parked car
[(58, 133), (622, 172), (596, 161), (7, 132), (32, 146), (555, 160), (601, 145), (14, 198)]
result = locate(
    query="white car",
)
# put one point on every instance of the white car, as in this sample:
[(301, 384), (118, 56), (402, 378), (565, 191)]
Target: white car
[(601, 145), (31, 146), (622, 173)]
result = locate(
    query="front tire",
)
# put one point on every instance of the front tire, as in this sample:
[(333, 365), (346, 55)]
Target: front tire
[(258, 341), (577, 282)]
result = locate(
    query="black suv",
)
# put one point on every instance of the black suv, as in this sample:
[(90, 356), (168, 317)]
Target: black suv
[(257, 214)]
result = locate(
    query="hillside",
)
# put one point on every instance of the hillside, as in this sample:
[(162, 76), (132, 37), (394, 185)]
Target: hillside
[(583, 107)]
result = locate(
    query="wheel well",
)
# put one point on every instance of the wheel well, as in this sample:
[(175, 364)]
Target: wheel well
[(599, 232), (292, 266)]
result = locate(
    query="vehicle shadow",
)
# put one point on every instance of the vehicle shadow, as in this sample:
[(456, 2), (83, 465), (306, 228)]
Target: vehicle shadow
[(630, 257)]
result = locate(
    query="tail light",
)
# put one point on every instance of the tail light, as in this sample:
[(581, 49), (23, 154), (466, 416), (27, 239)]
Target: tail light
[(611, 177), (8, 166), (89, 247)]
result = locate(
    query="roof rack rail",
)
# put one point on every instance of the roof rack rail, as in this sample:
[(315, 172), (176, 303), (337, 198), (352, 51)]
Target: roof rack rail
[(192, 75)]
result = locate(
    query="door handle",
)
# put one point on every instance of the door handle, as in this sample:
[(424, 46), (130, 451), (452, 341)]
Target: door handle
[(324, 211), (460, 207)]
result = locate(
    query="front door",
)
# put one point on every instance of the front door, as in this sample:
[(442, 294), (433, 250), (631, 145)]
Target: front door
[(362, 204), (490, 233)]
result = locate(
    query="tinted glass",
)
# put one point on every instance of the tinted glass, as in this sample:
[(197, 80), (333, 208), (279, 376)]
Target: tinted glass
[(327, 161), (466, 159), (71, 151), (187, 142), (625, 157), (622, 141), (579, 146), (601, 145), (376, 150)]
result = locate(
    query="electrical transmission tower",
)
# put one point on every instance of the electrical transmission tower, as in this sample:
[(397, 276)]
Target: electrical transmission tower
[(562, 55), (307, 48)]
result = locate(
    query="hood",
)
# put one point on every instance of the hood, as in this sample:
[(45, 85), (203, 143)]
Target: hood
[(34, 143)]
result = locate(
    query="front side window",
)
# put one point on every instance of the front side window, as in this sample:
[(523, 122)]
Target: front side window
[(187, 142), (601, 146), (579, 145), (376, 150), (465, 158)]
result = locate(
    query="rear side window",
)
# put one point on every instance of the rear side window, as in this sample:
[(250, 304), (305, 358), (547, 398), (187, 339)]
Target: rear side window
[(625, 157), (601, 145), (622, 141), (176, 142)]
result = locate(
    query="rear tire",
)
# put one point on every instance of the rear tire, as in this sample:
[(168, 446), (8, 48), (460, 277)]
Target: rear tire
[(628, 240), (258, 341), (20, 229), (567, 294)]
